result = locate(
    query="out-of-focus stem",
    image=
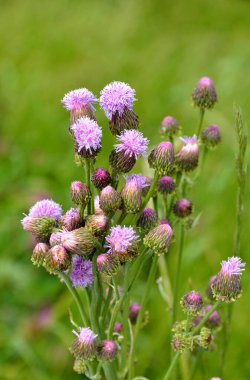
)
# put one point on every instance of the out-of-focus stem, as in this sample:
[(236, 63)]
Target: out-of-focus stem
[(202, 113), (177, 275)]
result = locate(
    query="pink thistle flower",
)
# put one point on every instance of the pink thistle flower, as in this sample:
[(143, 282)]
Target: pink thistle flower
[(81, 274), (121, 240), (46, 208), (87, 135), (77, 99), (132, 143)]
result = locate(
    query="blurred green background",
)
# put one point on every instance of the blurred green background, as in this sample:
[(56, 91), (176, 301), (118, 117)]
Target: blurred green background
[(160, 48)]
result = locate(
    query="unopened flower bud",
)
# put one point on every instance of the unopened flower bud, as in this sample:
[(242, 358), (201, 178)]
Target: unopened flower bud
[(57, 259), (169, 126), (134, 312), (213, 319), (209, 292), (80, 241), (79, 366), (183, 208), (80, 193), (39, 254), (162, 158), (55, 238), (192, 302), (40, 227), (107, 350), (204, 95), (107, 263), (101, 178), (227, 285), (110, 200), (121, 162), (118, 327), (71, 219), (148, 219), (187, 158), (210, 136), (97, 224), (164, 221), (159, 238), (166, 185), (84, 346), (131, 197)]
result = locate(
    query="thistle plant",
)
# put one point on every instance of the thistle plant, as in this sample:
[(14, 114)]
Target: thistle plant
[(121, 223)]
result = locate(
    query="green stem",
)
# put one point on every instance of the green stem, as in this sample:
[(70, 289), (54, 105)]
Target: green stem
[(92, 205), (149, 284), (177, 275), (226, 339), (76, 297), (202, 113), (155, 203), (87, 162), (166, 280), (205, 318), (172, 365)]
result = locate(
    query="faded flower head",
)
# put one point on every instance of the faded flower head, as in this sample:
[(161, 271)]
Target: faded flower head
[(84, 346), (227, 284), (132, 143), (192, 302), (71, 219), (46, 207), (107, 350), (116, 97), (57, 259), (188, 156), (81, 274), (39, 254), (79, 241), (122, 241), (204, 95), (87, 134), (75, 100)]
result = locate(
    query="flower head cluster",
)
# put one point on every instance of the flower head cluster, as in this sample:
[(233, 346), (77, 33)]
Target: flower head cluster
[(81, 274), (87, 135)]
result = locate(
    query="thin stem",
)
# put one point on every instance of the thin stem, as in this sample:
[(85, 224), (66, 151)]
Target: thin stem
[(149, 284), (172, 365), (155, 203), (227, 328), (122, 217), (177, 275), (205, 317), (92, 206), (162, 264), (202, 113), (87, 162)]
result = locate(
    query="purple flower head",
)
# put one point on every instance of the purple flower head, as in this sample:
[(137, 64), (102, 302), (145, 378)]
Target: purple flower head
[(210, 136), (166, 185), (101, 178), (140, 180), (107, 350), (84, 346), (132, 143), (116, 97), (121, 239), (78, 99), (81, 274), (190, 143), (204, 95), (87, 134), (46, 208), (192, 302), (134, 312), (233, 266), (205, 81)]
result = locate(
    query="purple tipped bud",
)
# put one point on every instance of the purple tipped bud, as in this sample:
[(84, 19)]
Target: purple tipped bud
[(123, 242), (166, 185), (81, 274), (101, 178), (188, 156), (183, 208), (159, 239), (110, 200), (107, 263), (210, 136), (209, 292), (80, 242), (55, 238), (118, 327), (192, 302), (148, 219), (71, 219), (164, 221), (57, 259), (131, 197), (107, 350), (84, 346), (80, 193), (204, 95), (134, 312), (169, 126), (227, 285), (87, 136), (97, 224), (39, 254), (162, 158), (40, 227)]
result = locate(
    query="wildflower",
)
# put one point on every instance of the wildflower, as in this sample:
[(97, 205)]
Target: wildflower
[(227, 285), (55, 238), (204, 95), (162, 158), (46, 208), (79, 241), (107, 350), (192, 302), (118, 327), (159, 238), (131, 195), (40, 227), (101, 178), (107, 263), (87, 134), (39, 254), (134, 312), (188, 156), (81, 274), (80, 193), (123, 242), (183, 208), (117, 100), (166, 185), (84, 346), (97, 224), (182, 342), (141, 181), (79, 103), (210, 136), (148, 219), (57, 259), (169, 126), (110, 200), (71, 219)]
